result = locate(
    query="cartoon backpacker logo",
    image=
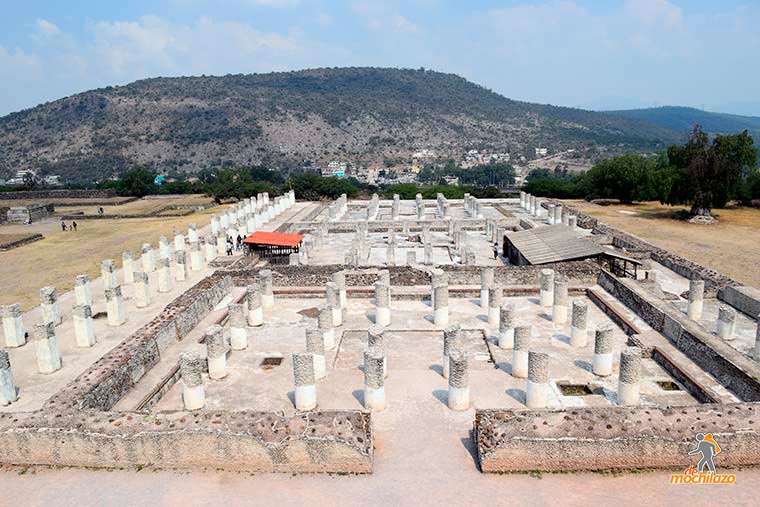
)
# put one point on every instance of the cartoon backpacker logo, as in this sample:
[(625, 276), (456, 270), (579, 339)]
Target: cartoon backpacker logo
[(704, 472)]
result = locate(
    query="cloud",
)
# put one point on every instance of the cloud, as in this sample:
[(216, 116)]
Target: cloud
[(276, 3), (154, 45), (655, 12), (46, 28), (381, 16)]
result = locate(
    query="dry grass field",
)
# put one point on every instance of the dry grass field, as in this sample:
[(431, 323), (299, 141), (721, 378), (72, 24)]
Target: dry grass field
[(136, 207), (732, 246), (61, 256)]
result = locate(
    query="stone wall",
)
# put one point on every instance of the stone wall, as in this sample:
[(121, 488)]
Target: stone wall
[(28, 214), (578, 273), (743, 298), (21, 242), (316, 441), (731, 368), (608, 438), (58, 194)]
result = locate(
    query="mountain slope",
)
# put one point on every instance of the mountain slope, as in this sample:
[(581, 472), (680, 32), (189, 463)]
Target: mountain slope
[(682, 119), (282, 119)]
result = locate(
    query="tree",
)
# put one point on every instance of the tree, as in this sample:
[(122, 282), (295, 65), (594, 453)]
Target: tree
[(703, 173), (137, 183), (626, 177)]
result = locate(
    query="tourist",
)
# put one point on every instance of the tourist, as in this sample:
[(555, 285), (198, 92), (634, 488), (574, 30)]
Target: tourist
[(74, 226), (63, 226)]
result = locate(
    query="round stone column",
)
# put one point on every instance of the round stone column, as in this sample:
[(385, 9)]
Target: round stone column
[(630, 375), (579, 324), (190, 368), (537, 389), (374, 379), (726, 322), (216, 352), (602, 363), (696, 299), (547, 287), (315, 345), (495, 300), (507, 326), (459, 380), (238, 332), (305, 384), (487, 276), (559, 308), (452, 339), (520, 351)]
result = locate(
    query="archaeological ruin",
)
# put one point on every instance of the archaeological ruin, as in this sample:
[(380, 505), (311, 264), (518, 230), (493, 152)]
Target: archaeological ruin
[(559, 342)]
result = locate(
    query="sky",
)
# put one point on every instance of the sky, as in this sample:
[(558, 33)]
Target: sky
[(615, 54)]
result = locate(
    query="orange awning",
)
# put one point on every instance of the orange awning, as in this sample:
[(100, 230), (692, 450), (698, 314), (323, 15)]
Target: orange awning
[(274, 239)]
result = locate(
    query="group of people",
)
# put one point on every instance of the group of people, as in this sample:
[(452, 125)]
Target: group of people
[(237, 245), (72, 227)]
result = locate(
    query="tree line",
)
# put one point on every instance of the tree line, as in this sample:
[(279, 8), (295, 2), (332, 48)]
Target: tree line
[(704, 173)]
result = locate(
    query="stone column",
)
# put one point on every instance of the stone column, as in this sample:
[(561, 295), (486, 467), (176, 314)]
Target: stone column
[(255, 310), (148, 262), (238, 332), (547, 287), (550, 214), (572, 222), (108, 272), (374, 379), (559, 309), (332, 297), (190, 369), (579, 324), (13, 326), (520, 351), (726, 322), (221, 243), (265, 285), (128, 267), (537, 389), (696, 298), (192, 233), (305, 383), (452, 339), (459, 380), (164, 249), (115, 307), (565, 215), (390, 254), (179, 242), (142, 290), (756, 354), (196, 256), (46, 347), (215, 225), (315, 345), (383, 304), (49, 306), (216, 352), (180, 266), (339, 279), (441, 303), (507, 326), (428, 254), (557, 218), (211, 252), (486, 282), (164, 275), (522, 199), (8, 391), (630, 375), (83, 329), (602, 364), (375, 340), (325, 325), (82, 292), (411, 257), (495, 299)]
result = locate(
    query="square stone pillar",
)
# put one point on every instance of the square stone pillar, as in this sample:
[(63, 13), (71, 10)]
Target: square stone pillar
[(115, 307), (83, 328), (13, 326), (46, 348), (8, 391), (164, 275), (180, 266), (196, 256), (148, 262), (142, 290), (49, 305), (164, 248), (108, 272), (82, 292), (128, 267), (179, 243)]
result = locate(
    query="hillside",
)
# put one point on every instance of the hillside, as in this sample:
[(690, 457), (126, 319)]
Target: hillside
[(682, 119), (283, 119)]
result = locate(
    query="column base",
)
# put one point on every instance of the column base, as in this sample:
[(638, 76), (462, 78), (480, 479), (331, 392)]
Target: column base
[(383, 316), (217, 367), (320, 366), (193, 398), (441, 317), (507, 339), (306, 397), (238, 338), (536, 395), (256, 317), (520, 363), (602, 365), (628, 394), (267, 301), (578, 337), (459, 398), (374, 398)]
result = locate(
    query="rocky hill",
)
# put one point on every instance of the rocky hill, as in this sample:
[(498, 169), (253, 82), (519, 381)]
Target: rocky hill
[(284, 119)]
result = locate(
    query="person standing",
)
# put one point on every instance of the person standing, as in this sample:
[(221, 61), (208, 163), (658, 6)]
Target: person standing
[(74, 226)]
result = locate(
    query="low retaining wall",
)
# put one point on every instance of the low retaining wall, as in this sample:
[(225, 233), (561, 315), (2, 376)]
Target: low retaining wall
[(57, 194), (21, 242), (743, 298), (738, 373), (607, 438), (317, 441), (578, 273)]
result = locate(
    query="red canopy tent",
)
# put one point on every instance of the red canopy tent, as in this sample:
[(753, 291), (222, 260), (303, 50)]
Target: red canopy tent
[(273, 246)]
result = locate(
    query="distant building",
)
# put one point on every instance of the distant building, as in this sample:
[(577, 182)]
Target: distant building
[(334, 168), (541, 152), (53, 179), (18, 178)]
